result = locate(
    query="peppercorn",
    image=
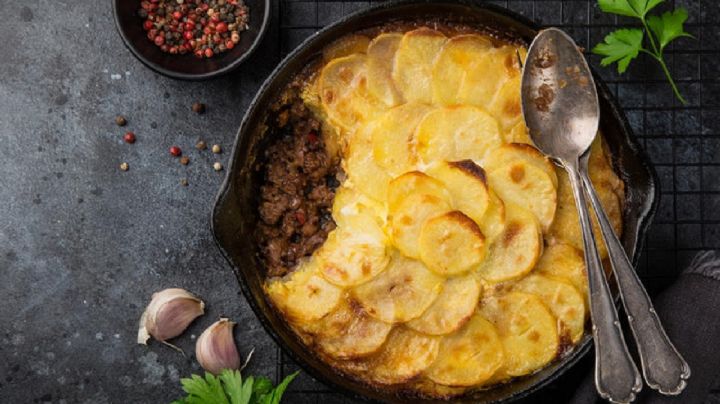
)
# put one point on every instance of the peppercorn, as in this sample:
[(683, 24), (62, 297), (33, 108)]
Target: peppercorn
[(198, 107), (184, 182), (217, 166), (200, 145), (124, 166), (184, 160), (216, 149), (120, 120), (129, 137), (175, 151)]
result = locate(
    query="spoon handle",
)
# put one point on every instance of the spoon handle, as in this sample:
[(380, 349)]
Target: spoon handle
[(664, 368), (616, 377)]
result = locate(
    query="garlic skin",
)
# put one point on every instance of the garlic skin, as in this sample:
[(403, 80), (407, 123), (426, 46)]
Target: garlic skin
[(215, 348), (169, 313)]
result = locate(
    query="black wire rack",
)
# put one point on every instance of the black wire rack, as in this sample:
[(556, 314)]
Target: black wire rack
[(682, 141)]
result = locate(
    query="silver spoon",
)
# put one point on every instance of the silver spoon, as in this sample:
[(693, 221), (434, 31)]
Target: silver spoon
[(567, 112), (561, 110)]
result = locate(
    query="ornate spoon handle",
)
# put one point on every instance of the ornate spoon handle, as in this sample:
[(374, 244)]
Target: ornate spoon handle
[(616, 377), (664, 368)]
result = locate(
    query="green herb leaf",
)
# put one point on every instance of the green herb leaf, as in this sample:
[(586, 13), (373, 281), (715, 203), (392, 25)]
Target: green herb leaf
[(262, 386), (669, 26), (202, 391), (620, 46), (274, 396), (229, 388), (630, 8)]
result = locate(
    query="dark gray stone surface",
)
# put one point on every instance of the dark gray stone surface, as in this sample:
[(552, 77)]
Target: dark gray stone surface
[(83, 245)]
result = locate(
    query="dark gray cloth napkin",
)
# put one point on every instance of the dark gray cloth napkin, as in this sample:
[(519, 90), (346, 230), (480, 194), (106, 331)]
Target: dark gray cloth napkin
[(690, 311)]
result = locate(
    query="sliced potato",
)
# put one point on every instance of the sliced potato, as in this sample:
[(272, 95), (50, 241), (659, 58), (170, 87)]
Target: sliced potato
[(519, 134), (362, 170), (348, 332), (527, 329), (414, 182), (355, 252), (453, 307), (467, 184), (343, 92), (565, 262), (602, 174), (392, 140), (563, 300), (381, 55), (515, 252), (400, 293), (412, 71), (456, 133), (506, 106), (304, 295), (405, 355), (493, 221), (345, 46), (350, 202), (451, 244), (407, 218), (506, 154), (456, 61), (468, 357)]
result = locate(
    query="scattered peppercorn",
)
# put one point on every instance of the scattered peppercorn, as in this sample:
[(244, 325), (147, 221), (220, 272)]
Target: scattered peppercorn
[(184, 182), (124, 166), (200, 145), (175, 151), (120, 120), (184, 160), (198, 108), (202, 27), (217, 166), (129, 137), (216, 149)]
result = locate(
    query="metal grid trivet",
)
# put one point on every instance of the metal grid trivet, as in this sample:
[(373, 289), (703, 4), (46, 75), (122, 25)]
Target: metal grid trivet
[(683, 142)]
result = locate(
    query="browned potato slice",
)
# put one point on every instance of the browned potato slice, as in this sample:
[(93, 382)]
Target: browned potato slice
[(467, 184), (456, 133), (492, 223), (350, 202), (414, 182), (407, 218), (563, 300), (458, 58), (343, 92), (527, 329), (565, 262), (348, 332), (392, 138), (362, 170), (468, 357), (453, 307), (520, 175), (505, 107), (412, 71), (515, 252), (355, 252), (381, 55), (519, 134), (345, 46), (451, 244), (304, 295), (566, 227), (405, 355), (400, 293)]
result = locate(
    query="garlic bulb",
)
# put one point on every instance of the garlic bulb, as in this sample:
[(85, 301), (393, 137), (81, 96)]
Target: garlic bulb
[(215, 348), (169, 313)]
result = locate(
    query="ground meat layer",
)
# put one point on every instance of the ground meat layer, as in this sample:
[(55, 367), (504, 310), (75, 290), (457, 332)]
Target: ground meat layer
[(297, 193)]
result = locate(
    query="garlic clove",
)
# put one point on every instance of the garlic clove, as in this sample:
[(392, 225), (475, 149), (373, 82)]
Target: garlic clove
[(215, 348), (169, 313)]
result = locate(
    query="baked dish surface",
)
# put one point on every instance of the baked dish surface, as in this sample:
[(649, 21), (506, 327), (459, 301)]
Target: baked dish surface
[(446, 255)]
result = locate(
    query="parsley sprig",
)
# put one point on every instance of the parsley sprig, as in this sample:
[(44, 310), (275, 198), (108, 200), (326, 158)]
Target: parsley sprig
[(230, 388), (624, 45)]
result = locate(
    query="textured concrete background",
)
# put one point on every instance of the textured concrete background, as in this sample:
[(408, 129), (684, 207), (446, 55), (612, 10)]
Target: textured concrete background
[(83, 245)]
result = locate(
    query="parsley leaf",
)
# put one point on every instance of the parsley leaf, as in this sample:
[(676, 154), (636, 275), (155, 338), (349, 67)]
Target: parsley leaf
[(229, 388), (624, 45), (669, 26), (621, 46)]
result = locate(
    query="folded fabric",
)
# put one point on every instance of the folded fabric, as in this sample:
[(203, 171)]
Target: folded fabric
[(690, 312)]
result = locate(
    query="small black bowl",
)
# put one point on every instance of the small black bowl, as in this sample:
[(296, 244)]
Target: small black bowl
[(188, 67)]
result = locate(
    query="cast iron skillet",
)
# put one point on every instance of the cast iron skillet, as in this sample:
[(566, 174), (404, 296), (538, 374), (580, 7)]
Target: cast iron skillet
[(235, 213)]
